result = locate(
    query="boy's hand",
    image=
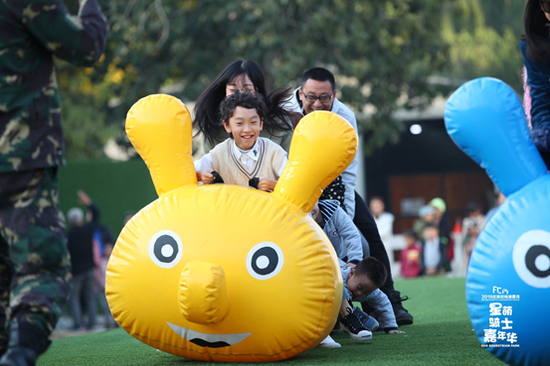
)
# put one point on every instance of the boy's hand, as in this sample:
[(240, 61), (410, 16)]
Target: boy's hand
[(395, 331), (266, 184), (205, 176), (349, 265)]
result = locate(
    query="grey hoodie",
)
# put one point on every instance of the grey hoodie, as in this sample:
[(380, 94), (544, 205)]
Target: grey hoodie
[(342, 232)]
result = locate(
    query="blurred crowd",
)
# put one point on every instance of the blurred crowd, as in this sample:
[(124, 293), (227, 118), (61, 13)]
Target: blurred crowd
[(431, 246)]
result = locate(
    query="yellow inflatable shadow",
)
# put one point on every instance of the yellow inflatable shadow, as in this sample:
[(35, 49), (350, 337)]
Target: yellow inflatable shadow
[(222, 272)]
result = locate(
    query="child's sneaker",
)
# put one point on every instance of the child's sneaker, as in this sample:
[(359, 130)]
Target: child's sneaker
[(328, 342), (357, 331), (368, 321)]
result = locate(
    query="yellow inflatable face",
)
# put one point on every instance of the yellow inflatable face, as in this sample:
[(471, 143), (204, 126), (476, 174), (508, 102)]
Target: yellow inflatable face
[(222, 272)]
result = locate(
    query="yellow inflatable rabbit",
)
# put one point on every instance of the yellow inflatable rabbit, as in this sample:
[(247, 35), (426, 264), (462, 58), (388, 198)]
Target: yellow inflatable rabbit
[(222, 272)]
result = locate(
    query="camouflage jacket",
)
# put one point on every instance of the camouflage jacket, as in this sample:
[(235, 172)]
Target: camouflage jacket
[(31, 33)]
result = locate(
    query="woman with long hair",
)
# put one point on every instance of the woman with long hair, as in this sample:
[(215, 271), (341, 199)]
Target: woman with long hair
[(243, 75), (535, 47)]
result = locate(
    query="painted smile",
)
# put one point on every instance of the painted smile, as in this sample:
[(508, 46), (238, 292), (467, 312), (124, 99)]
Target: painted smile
[(208, 340)]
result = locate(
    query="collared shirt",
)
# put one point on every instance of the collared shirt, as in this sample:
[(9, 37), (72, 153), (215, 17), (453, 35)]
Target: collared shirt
[(432, 256), (247, 157)]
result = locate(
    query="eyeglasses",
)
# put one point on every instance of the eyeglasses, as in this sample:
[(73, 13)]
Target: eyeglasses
[(545, 6), (313, 98)]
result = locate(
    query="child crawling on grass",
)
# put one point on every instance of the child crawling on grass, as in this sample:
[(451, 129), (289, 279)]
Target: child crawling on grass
[(362, 277)]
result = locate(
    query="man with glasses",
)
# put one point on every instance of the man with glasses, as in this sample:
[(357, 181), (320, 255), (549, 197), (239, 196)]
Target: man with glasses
[(318, 93)]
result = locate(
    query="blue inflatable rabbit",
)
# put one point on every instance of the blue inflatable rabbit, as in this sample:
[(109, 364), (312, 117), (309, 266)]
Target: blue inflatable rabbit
[(508, 280)]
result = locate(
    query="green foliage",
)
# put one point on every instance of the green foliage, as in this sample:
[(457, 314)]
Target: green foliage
[(383, 53), (483, 39)]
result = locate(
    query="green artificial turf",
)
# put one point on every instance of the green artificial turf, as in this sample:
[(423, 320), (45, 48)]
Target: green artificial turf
[(441, 335)]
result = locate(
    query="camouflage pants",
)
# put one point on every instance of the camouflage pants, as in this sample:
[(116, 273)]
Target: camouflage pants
[(34, 261)]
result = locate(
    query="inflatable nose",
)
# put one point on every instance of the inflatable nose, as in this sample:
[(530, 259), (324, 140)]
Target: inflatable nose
[(203, 296)]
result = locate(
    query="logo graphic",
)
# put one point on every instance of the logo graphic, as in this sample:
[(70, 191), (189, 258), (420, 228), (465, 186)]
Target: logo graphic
[(500, 330)]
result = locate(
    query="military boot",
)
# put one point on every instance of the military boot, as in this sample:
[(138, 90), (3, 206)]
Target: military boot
[(26, 343)]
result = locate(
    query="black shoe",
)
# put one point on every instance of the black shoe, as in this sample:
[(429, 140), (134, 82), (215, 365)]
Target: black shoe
[(402, 316), (357, 331), (19, 356)]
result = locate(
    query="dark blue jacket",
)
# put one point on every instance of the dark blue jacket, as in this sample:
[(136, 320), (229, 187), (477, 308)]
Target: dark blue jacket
[(538, 78)]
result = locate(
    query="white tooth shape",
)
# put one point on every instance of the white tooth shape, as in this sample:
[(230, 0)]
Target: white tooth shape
[(189, 334)]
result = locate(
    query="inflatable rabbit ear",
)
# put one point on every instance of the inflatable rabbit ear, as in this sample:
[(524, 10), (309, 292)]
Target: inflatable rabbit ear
[(323, 145), (159, 126), (485, 119)]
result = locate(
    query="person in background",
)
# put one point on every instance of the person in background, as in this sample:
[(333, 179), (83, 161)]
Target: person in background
[(441, 219), (433, 252), (535, 48), (82, 259), (384, 220), (102, 248), (243, 75), (472, 226), (34, 263), (410, 256), (426, 215), (81, 248)]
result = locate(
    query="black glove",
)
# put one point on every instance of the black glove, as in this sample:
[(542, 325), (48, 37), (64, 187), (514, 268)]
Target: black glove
[(254, 182), (217, 177)]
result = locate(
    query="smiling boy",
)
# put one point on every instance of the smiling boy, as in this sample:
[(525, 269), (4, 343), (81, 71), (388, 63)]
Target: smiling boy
[(245, 155), (362, 283)]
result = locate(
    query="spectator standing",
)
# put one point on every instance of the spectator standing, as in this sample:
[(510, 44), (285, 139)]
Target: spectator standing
[(33, 291), (81, 248), (103, 246), (384, 220), (433, 253), (441, 219)]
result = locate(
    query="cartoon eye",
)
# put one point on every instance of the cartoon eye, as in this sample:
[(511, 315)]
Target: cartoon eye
[(264, 260), (532, 258), (165, 249)]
